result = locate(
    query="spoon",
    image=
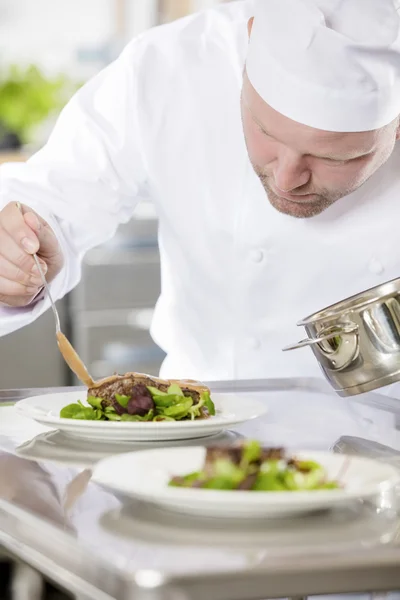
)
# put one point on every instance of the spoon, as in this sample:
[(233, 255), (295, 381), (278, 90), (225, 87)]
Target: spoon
[(69, 354)]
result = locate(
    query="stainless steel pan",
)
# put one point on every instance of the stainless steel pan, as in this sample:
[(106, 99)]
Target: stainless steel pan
[(357, 340)]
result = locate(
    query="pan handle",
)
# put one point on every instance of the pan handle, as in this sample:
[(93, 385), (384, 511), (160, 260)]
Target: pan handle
[(322, 338)]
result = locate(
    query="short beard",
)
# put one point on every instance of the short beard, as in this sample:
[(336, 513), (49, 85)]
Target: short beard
[(299, 210)]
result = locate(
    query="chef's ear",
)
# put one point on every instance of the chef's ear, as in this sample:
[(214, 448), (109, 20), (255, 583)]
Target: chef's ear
[(250, 25)]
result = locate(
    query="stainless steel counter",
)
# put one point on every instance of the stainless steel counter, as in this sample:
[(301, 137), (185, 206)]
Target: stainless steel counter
[(99, 546)]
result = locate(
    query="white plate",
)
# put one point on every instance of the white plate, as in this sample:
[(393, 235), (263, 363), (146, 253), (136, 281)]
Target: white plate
[(145, 475), (231, 409)]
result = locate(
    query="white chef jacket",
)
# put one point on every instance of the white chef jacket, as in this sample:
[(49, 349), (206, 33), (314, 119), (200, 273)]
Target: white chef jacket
[(163, 122)]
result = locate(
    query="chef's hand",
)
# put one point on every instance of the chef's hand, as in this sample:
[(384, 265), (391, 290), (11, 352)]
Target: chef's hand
[(21, 235)]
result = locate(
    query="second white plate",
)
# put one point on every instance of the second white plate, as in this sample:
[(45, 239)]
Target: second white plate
[(145, 476)]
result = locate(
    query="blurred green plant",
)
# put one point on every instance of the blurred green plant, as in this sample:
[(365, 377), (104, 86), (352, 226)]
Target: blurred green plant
[(28, 98)]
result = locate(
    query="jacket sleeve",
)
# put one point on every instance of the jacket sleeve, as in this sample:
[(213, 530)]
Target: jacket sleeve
[(88, 177)]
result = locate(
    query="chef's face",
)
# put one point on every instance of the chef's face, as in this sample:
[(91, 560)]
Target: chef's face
[(304, 170)]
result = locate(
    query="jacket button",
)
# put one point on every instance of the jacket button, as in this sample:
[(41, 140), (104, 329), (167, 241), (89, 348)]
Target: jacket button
[(375, 266), (257, 255)]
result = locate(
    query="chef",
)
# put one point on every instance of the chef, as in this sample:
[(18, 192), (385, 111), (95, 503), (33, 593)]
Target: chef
[(265, 133)]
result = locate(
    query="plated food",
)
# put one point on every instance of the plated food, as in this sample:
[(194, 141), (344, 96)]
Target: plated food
[(141, 398), (312, 481), (188, 418), (249, 466)]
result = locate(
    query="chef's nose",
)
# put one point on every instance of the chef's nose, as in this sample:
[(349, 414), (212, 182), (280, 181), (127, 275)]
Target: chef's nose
[(291, 171)]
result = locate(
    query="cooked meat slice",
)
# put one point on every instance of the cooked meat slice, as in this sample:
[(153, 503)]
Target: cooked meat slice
[(194, 394), (272, 454), (214, 453), (235, 454), (141, 401), (125, 386), (190, 384)]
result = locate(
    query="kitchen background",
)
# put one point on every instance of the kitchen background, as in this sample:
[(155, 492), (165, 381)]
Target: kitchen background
[(48, 49)]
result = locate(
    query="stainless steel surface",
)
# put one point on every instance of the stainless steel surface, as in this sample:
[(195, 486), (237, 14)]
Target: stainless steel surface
[(357, 341), (104, 548)]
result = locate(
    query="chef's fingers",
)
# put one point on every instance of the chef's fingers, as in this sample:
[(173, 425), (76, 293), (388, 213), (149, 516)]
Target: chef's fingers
[(13, 272), (16, 294), (49, 247), (17, 301), (32, 219), (14, 253), (13, 222), (30, 233), (48, 243), (23, 233)]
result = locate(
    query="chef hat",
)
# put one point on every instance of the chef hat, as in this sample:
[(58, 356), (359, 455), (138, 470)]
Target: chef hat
[(329, 64)]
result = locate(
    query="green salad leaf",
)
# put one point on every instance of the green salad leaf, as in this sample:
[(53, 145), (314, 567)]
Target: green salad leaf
[(171, 405), (148, 417), (78, 411), (208, 403), (269, 482), (167, 400), (251, 452), (113, 417), (156, 392), (122, 400), (177, 411), (175, 390), (95, 402)]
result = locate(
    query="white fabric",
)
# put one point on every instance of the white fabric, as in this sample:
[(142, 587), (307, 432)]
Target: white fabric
[(330, 64), (164, 121)]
